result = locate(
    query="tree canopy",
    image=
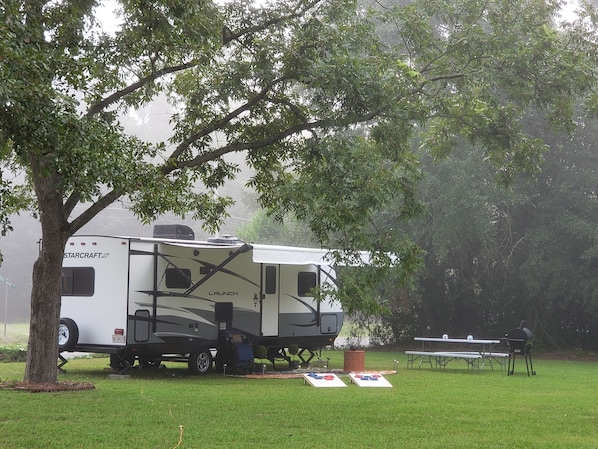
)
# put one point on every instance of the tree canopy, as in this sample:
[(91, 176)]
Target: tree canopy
[(322, 97)]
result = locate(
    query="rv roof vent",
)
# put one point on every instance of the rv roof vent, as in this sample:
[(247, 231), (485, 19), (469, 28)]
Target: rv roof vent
[(225, 239), (174, 231)]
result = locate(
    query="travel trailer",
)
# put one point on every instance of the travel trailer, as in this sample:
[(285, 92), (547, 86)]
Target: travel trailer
[(169, 298)]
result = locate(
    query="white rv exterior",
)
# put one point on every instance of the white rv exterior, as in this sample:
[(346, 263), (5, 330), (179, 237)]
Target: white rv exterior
[(151, 299)]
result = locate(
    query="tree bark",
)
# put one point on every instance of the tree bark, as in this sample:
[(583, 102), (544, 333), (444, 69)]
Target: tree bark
[(42, 350)]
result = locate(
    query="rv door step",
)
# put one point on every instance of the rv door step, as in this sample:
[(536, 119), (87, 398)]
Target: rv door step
[(174, 358)]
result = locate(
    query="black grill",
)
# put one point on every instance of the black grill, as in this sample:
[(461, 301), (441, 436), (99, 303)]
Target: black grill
[(518, 340)]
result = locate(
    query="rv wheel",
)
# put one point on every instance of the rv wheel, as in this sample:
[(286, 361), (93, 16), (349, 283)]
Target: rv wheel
[(200, 362), (68, 334)]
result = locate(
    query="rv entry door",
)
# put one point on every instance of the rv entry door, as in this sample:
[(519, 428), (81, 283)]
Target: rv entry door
[(270, 300)]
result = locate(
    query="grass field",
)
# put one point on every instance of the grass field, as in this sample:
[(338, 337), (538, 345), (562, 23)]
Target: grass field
[(167, 408), (16, 335)]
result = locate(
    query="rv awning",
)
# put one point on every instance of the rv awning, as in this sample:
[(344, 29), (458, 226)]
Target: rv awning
[(290, 255), (274, 254)]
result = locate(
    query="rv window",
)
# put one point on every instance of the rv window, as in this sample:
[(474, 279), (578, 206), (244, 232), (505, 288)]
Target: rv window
[(78, 281), (270, 280), (178, 278), (306, 281)]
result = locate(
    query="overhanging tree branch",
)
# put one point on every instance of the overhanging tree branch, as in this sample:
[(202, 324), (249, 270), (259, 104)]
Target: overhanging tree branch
[(93, 210), (274, 138), (218, 124), (103, 104)]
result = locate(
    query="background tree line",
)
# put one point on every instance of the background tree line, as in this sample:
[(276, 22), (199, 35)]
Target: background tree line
[(492, 256)]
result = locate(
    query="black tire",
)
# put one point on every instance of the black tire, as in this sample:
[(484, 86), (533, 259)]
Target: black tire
[(68, 334), (200, 362)]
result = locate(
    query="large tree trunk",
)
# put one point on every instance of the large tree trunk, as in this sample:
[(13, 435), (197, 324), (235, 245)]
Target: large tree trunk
[(42, 351)]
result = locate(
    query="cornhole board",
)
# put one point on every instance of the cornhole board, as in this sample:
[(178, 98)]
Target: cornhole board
[(370, 380), (323, 380)]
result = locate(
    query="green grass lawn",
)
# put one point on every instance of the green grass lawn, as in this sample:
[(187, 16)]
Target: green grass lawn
[(452, 408)]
